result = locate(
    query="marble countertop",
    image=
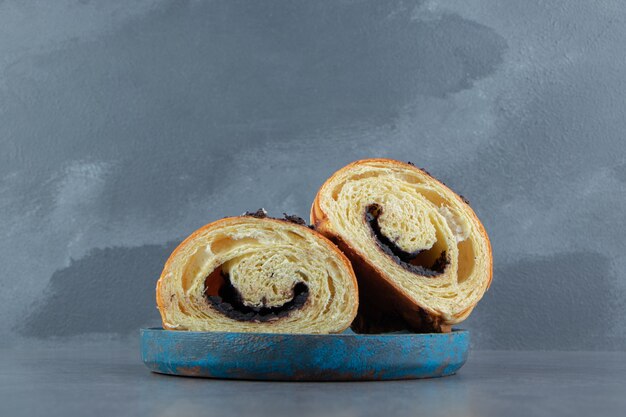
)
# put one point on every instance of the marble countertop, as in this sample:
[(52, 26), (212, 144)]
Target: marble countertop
[(107, 378)]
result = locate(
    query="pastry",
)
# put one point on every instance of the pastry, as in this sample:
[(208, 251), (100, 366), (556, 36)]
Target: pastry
[(422, 258), (256, 274)]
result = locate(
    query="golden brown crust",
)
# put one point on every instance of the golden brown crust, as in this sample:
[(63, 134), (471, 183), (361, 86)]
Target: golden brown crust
[(163, 302), (384, 305)]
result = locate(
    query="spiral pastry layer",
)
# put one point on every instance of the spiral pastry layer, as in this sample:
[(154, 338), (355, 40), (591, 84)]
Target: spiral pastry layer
[(250, 274), (422, 258)]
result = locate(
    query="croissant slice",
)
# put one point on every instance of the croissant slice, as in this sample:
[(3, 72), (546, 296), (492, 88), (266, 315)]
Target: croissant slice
[(422, 258), (256, 274)]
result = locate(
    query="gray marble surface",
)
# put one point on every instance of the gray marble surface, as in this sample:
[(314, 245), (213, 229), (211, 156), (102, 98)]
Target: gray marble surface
[(108, 379)]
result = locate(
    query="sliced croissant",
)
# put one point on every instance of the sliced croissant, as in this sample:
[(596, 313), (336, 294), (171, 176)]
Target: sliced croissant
[(256, 274), (422, 258)]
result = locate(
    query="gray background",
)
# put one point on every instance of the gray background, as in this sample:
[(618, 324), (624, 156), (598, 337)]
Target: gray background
[(124, 127)]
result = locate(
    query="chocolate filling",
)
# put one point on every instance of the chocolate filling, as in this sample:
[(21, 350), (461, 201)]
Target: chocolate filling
[(229, 302), (411, 261)]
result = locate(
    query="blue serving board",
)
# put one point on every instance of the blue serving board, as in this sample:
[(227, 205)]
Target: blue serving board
[(298, 357)]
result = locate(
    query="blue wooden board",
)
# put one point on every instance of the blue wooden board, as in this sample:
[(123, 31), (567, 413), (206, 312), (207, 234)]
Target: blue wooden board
[(297, 357)]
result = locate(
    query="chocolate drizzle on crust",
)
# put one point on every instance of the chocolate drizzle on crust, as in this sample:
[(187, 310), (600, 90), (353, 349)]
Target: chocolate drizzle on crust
[(294, 219), (291, 218), (465, 200), (259, 214), (229, 302), (406, 260)]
